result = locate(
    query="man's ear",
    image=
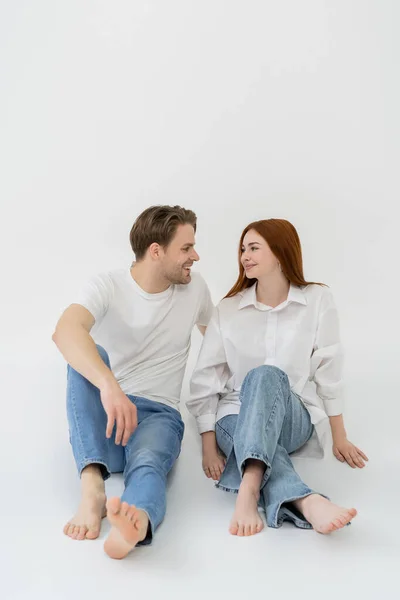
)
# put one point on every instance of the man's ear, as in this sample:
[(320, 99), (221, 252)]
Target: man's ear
[(155, 251)]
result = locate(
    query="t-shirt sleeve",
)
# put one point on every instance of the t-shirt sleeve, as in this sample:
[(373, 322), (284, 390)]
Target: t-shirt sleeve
[(95, 296), (206, 306)]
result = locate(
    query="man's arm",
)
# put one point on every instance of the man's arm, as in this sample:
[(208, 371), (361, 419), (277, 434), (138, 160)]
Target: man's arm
[(72, 337)]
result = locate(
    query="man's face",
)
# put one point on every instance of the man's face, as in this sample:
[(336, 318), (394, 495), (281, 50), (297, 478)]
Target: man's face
[(179, 256)]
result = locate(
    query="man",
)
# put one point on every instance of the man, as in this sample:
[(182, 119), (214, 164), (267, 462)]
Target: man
[(123, 394)]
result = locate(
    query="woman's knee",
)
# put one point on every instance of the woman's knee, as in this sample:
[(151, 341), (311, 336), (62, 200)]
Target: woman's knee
[(267, 374)]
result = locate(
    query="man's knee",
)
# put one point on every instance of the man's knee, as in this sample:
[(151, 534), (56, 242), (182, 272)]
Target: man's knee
[(145, 458), (103, 354)]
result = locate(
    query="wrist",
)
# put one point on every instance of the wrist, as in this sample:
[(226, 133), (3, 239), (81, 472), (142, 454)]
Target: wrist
[(209, 442), (108, 384)]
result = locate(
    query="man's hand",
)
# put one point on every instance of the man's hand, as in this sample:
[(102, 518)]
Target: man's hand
[(120, 411)]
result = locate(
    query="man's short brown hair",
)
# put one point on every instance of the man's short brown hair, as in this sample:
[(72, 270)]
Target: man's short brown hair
[(158, 224)]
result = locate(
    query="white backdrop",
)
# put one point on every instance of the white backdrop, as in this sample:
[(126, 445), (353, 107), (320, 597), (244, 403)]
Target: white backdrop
[(239, 111)]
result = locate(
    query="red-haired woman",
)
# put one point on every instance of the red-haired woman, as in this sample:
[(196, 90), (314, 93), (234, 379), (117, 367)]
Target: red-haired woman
[(269, 373)]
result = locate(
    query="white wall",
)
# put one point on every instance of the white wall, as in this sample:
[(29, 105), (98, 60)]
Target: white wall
[(238, 110)]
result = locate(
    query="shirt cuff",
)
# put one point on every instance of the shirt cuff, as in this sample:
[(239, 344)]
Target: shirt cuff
[(333, 406), (206, 423)]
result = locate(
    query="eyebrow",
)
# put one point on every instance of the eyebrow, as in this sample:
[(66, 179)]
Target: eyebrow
[(188, 246), (251, 244)]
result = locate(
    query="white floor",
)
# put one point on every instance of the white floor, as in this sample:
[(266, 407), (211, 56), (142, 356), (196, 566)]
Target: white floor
[(193, 554)]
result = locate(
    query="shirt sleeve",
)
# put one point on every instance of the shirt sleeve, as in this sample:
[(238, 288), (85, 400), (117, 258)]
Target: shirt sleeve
[(95, 296), (206, 307), (209, 377), (327, 358)]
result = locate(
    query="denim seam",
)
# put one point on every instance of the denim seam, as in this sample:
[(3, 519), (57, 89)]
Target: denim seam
[(94, 461), (228, 435), (77, 423), (86, 461), (277, 522)]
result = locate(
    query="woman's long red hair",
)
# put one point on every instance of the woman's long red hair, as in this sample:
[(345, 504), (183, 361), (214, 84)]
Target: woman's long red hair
[(283, 239)]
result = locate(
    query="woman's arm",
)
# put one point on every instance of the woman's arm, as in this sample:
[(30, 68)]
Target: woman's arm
[(327, 361), (343, 449), (207, 383)]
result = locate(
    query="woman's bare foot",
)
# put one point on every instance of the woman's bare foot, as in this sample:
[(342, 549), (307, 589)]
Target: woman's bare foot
[(246, 519), (323, 515), (87, 521), (130, 526)]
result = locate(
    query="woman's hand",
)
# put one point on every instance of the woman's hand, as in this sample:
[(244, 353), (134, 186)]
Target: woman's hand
[(213, 461), (345, 451), (213, 464)]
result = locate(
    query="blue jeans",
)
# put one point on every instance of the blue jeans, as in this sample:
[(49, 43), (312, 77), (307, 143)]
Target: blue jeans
[(147, 458), (271, 424)]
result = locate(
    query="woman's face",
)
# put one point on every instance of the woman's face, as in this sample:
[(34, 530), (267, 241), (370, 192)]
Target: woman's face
[(257, 257)]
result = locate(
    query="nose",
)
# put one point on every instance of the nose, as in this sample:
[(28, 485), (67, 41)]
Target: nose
[(195, 256)]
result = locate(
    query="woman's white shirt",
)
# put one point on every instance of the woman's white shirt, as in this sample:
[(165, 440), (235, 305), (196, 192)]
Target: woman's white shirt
[(300, 336)]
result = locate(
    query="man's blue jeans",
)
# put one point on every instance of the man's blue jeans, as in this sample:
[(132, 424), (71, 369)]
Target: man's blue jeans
[(147, 458)]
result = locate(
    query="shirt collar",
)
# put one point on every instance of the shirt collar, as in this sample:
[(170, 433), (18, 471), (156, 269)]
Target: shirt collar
[(249, 297)]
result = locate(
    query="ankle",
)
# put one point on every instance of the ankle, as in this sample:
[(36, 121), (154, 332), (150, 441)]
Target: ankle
[(303, 503), (92, 480), (249, 487)]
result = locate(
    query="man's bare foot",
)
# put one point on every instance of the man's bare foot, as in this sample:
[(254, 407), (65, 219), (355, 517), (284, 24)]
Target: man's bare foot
[(246, 519), (323, 515), (87, 521), (129, 527)]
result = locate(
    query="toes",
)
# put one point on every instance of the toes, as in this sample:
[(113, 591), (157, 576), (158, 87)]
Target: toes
[(75, 532), (81, 532), (70, 530), (124, 509), (338, 523), (92, 533), (234, 528), (66, 528), (131, 513), (114, 506), (247, 530), (240, 530)]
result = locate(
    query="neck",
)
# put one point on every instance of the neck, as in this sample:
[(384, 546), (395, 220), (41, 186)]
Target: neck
[(273, 290), (150, 281)]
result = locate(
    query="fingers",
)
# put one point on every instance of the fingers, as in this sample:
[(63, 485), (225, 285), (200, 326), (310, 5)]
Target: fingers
[(214, 470), (338, 455), (214, 473), (130, 417), (110, 422), (120, 427), (362, 454), (207, 472), (134, 417), (350, 460), (128, 430), (357, 459)]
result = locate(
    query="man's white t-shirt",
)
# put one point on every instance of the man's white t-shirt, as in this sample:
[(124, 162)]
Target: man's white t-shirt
[(147, 336)]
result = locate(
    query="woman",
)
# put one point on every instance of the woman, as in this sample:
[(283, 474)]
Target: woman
[(267, 376)]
